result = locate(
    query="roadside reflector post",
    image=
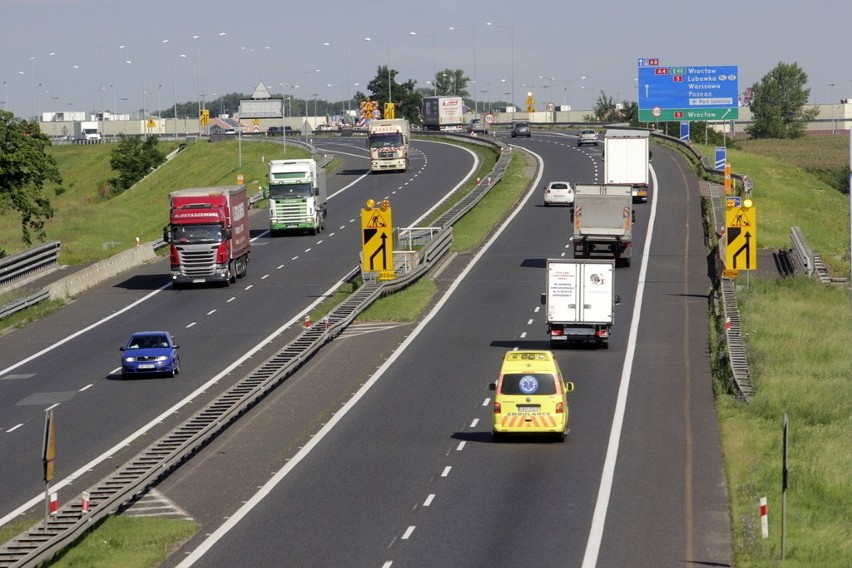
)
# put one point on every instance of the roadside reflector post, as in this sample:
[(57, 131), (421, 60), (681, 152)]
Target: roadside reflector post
[(84, 502), (54, 503), (764, 518), (307, 321)]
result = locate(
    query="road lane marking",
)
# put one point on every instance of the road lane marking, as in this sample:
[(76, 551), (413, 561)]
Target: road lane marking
[(446, 471), (593, 545), (429, 500), (407, 533)]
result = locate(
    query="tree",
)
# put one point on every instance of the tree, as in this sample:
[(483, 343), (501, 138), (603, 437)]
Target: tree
[(451, 82), (132, 159), (25, 168), (404, 95), (778, 101)]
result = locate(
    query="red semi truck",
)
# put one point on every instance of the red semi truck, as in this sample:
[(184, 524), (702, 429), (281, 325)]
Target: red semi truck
[(209, 234)]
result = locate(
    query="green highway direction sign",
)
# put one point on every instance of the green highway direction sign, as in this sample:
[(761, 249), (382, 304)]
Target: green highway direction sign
[(697, 92)]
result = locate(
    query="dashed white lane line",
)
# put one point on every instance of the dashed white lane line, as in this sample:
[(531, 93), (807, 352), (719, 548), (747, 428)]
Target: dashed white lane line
[(486, 402), (264, 277), (13, 428), (407, 533), (446, 471), (460, 447), (231, 299), (429, 500), (530, 322), (474, 423), (87, 387), (211, 312), (190, 325)]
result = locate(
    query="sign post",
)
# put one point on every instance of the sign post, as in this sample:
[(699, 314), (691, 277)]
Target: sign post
[(48, 459)]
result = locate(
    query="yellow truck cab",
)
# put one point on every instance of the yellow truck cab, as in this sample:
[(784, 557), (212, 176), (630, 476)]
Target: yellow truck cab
[(530, 395)]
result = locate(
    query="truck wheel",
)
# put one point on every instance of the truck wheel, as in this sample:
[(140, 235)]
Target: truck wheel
[(604, 344)]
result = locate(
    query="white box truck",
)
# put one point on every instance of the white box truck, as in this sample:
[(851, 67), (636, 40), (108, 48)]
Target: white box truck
[(297, 196), (388, 142), (580, 301), (603, 222), (87, 132), (627, 156)]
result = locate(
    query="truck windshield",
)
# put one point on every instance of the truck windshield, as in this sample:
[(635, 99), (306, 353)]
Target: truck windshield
[(388, 140), (289, 190), (190, 234)]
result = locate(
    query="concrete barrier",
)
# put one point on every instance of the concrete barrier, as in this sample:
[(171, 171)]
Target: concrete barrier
[(82, 280)]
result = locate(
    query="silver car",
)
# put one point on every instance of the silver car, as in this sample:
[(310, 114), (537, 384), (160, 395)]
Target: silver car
[(587, 136)]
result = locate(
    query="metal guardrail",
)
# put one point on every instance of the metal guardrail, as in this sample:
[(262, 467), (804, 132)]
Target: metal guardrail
[(25, 263), (805, 259), (736, 354), (130, 481)]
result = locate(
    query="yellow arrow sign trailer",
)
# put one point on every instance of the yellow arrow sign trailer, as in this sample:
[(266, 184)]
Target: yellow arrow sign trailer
[(741, 237), (377, 240)]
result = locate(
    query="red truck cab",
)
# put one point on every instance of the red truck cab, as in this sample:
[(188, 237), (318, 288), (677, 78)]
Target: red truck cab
[(208, 233)]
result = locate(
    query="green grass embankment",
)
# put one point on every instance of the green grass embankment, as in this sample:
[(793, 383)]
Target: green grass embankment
[(798, 337)]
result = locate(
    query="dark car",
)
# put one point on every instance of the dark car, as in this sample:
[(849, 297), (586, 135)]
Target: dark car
[(150, 353), (281, 130), (521, 129)]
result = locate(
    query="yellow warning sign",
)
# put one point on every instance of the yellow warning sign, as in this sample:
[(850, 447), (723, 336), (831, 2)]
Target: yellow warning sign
[(204, 118), (729, 273), (390, 110), (152, 123), (377, 239), (530, 102), (741, 235)]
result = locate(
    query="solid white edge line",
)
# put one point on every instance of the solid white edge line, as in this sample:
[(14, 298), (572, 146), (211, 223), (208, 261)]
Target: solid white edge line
[(593, 545), (267, 488)]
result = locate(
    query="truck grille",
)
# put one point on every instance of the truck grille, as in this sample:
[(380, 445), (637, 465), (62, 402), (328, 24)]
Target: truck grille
[(291, 211), (198, 261)]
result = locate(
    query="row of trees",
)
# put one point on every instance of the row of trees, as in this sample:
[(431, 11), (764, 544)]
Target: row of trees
[(26, 168)]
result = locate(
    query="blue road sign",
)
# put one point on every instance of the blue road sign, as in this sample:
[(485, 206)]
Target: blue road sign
[(721, 157), (684, 131), (704, 92)]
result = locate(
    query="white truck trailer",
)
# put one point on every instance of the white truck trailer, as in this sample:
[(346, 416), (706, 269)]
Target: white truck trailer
[(603, 222), (627, 156), (443, 113), (297, 196), (580, 301)]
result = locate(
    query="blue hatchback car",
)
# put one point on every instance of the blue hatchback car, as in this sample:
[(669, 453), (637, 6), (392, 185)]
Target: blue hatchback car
[(150, 352)]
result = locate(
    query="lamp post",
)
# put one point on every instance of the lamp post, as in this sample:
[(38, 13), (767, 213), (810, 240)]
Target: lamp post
[(551, 79), (387, 64), (833, 128), (473, 33), (434, 54), (345, 48), (511, 28), (198, 39), (254, 59)]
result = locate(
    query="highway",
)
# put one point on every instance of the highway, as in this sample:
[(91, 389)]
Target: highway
[(70, 360), (379, 452)]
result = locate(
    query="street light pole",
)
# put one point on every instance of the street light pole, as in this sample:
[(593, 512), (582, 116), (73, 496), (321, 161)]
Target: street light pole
[(198, 39), (511, 28), (833, 129), (434, 56), (346, 54), (473, 32), (387, 64)]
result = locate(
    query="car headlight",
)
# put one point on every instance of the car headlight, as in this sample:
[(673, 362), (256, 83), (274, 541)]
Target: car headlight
[(129, 359), (163, 358)]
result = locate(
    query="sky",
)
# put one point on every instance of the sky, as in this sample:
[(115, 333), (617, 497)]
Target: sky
[(88, 55)]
